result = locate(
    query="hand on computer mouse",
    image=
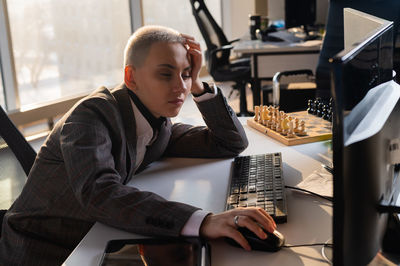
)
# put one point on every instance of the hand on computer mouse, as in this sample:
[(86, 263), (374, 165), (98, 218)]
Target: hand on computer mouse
[(226, 224), (272, 243)]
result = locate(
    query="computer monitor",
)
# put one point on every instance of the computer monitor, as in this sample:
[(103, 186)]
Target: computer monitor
[(300, 13), (365, 136)]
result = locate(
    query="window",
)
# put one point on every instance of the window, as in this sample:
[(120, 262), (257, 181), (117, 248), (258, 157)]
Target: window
[(177, 14), (64, 47)]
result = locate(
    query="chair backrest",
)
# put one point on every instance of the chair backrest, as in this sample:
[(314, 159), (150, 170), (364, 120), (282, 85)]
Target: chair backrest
[(15, 148), (22, 150), (211, 31)]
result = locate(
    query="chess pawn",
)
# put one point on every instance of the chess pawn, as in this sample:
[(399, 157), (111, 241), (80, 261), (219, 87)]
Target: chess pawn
[(273, 122), (267, 117), (290, 133), (257, 113), (278, 127), (296, 125), (263, 115), (302, 129), (271, 109), (277, 111), (281, 115)]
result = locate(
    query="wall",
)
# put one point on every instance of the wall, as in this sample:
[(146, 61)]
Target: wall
[(236, 17)]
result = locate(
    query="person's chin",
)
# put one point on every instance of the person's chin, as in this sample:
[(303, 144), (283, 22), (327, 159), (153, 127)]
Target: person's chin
[(172, 113)]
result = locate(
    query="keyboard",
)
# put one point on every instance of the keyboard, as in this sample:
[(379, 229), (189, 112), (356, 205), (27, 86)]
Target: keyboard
[(257, 181)]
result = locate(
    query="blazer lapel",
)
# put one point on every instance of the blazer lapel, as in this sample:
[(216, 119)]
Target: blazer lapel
[(121, 95), (157, 148)]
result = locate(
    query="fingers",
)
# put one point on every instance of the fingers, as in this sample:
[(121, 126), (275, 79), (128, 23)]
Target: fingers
[(260, 216), (194, 52), (246, 221), (239, 238), (223, 224), (186, 36), (191, 42), (270, 219)]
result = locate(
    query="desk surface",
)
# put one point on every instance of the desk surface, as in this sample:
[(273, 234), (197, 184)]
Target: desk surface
[(204, 182), (257, 46)]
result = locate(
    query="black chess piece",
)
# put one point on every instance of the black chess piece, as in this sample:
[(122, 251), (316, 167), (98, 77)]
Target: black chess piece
[(330, 110), (315, 106), (310, 109), (319, 108), (324, 111)]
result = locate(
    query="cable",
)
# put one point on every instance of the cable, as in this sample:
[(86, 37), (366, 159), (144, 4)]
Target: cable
[(327, 258), (323, 252), (310, 192), (308, 245), (388, 208)]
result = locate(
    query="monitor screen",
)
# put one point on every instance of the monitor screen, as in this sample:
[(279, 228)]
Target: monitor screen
[(300, 13), (366, 122)]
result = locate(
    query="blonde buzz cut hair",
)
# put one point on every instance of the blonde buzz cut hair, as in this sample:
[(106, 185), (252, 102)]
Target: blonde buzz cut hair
[(138, 45)]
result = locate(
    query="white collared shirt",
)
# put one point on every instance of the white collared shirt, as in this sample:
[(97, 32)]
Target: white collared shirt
[(145, 136)]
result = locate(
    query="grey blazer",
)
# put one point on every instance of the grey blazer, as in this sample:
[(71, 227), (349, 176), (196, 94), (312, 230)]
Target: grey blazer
[(80, 173)]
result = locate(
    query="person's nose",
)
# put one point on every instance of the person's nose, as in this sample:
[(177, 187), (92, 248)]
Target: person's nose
[(180, 84)]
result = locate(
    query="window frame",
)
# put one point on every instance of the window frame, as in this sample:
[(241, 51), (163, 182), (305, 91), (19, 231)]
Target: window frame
[(47, 110)]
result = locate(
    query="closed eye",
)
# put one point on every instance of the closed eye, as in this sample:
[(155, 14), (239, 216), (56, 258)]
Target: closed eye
[(165, 74), (186, 75)]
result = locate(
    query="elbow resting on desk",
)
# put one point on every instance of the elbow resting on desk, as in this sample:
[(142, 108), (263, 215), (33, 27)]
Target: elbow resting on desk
[(236, 146)]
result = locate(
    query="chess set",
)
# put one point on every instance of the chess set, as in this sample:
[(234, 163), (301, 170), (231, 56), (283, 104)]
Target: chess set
[(295, 128)]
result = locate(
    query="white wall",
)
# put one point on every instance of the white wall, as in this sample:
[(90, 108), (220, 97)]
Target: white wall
[(236, 17), (235, 14)]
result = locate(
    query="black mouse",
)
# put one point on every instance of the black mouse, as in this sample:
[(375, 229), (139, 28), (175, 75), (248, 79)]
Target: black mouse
[(272, 243)]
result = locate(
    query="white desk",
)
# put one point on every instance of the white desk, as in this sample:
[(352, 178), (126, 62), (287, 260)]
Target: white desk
[(204, 182), (268, 58)]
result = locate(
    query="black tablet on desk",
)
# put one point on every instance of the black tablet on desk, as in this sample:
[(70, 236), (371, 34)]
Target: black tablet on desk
[(183, 251)]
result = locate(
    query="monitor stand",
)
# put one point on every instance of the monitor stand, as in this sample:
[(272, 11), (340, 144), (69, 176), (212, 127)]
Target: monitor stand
[(391, 238)]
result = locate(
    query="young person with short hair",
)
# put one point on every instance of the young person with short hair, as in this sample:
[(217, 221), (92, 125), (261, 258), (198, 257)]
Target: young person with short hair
[(80, 174)]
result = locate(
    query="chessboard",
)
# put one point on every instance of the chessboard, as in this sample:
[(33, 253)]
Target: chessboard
[(315, 128)]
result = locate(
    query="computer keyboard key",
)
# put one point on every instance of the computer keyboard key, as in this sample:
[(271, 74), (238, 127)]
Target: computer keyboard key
[(233, 199), (235, 190), (243, 189), (242, 197), (257, 181)]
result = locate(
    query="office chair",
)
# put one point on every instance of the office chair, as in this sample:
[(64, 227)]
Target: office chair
[(15, 141), (218, 52), (291, 99)]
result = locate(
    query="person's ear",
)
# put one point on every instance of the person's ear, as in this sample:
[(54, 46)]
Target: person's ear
[(129, 77)]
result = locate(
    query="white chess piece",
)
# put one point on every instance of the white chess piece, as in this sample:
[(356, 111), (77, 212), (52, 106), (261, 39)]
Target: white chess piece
[(285, 125), (302, 129), (296, 125), (290, 132), (256, 113)]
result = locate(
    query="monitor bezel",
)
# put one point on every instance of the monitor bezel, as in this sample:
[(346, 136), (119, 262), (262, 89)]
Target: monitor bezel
[(338, 62)]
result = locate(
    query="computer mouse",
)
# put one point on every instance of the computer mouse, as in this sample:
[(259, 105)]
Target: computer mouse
[(272, 243)]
